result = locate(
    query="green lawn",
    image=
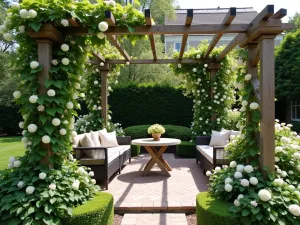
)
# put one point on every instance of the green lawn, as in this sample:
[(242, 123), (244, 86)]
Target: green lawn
[(10, 146)]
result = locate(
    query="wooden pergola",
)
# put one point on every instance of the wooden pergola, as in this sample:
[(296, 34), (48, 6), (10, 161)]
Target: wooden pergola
[(256, 37)]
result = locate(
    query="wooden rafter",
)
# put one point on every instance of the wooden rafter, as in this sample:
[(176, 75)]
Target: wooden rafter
[(226, 21), (158, 61), (151, 36), (109, 18), (265, 14), (188, 22), (279, 14), (255, 60), (99, 56)]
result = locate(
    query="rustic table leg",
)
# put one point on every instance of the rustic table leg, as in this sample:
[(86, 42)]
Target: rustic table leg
[(156, 160), (159, 155)]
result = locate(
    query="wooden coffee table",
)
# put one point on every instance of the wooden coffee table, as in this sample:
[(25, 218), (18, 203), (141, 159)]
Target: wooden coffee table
[(156, 154)]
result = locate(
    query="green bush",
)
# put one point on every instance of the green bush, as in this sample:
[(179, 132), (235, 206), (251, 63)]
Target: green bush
[(98, 211), (135, 104), (296, 127), (211, 211), (141, 131), (233, 117), (186, 149), (135, 150), (9, 120)]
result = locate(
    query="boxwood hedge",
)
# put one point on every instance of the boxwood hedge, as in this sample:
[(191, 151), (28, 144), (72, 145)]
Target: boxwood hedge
[(186, 149)]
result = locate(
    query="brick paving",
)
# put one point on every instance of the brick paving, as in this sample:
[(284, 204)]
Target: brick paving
[(157, 193), (154, 219)]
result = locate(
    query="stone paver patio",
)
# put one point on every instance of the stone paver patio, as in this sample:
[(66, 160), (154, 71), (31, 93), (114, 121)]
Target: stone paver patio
[(158, 193), (154, 219)]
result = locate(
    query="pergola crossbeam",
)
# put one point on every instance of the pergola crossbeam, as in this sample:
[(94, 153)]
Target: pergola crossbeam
[(109, 18), (188, 22), (226, 21), (151, 36), (256, 56), (158, 61), (99, 56)]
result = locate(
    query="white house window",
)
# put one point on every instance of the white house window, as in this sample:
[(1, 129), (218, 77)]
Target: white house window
[(177, 46), (295, 110)]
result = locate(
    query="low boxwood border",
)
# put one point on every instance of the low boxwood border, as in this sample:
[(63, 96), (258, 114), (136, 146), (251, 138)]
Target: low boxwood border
[(186, 149), (135, 150), (97, 211), (212, 211)]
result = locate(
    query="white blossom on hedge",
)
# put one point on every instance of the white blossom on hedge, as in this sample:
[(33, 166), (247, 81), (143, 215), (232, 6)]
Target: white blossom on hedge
[(52, 186), (65, 61), (253, 203), (8, 36), (32, 13), (228, 187), (22, 29), (278, 149), (15, 5), (54, 62), (69, 105), (248, 169), (24, 13), (112, 3), (65, 47), (238, 175), (42, 176), (194, 70), (283, 174), (62, 131), (24, 140), (296, 155), (205, 65), (228, 180), (21, 124), (75, 186), (294, 209), (51, 93), (77, 86), (29, 190), (233, 164), (240, 168), (248, 77), (96, 82), (12, 159), (103, 26), (208, 173), (101, 35), (264, 195), (46, 139), (244, 103), (33, 99), (245, 182), (253, 106), (93, 181), (240, 197), (56, 122), (236, 203), (17, 163), (253, 181), (20, 184), (2, 29), (32, 128), (179, 65), (91, 174), (64, 22), (34, 64)]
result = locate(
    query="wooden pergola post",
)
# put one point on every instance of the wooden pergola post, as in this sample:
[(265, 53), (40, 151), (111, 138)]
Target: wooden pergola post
[(213, 69), (267, 102), (104, 70)]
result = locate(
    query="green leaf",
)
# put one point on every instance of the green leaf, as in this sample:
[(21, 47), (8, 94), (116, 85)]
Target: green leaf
[(97, 41), (51, 111), (131, 29), (13, 221), (245, 212), (35, 26), (30, 210), (39, 69), (49, 129), (48, 209), (43, 118), (48, 83), (52, 200), (58, 83), (54, 69), (255, 210)]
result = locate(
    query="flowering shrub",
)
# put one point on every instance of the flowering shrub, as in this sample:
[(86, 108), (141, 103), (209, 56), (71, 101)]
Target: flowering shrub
[(156, 129), (233, 117), (200, 86), (46, 183)]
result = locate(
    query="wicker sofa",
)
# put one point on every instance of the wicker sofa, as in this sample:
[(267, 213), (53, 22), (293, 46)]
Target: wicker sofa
[(209, 156), (111, 160)]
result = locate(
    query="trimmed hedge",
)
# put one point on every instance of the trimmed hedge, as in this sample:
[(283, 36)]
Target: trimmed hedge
[(211, 211), (135, 150), (98, 211), (136, 104), (186, 149), (141, 131)]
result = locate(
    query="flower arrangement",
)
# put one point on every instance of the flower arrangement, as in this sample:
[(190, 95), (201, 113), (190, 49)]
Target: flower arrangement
[(156, 129)]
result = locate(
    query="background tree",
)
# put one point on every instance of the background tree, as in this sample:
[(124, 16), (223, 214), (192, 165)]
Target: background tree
[(295, 20)]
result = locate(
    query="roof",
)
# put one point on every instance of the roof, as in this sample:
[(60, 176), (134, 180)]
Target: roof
[(212, 16)]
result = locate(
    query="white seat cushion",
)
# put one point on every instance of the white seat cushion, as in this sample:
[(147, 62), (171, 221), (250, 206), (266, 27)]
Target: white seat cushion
[(112, 155), (208, 152), (120, 148)]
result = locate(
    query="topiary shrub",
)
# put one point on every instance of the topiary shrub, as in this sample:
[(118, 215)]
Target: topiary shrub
[(135, 150), (141, 131), (98, 211), (186, 149), (212, 211)]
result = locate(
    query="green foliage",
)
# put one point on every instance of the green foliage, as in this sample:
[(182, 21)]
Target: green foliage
[(199, 85), (296, 127), (213, 211), (9, 120), (135, 104), (141, 131), (233, 117), (135, 150), (295, 20), (186, 149), (287, 66), (97, 211)]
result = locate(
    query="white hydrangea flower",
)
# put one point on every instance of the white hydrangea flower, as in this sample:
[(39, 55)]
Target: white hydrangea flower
[(33, 99), (29, 190), (74, 133), (51, 93), (42, 176), (24, 13), (244, 103), (65, 61), (21, 124), (194, 70), (8, 36), (236, 203), (233, 164), (277, 159), (254, 106), (228, 180), (198, 56), (34, 64), (248, 77), (20, 184), (285, 140), (77, 86), (32, 128), (217, 169), (240, 196), (25, 140), (65, 47), (228, 187), (179, 65), (296, 155), (64, 22), (103, 26), (15, 5), (17, 94), (127, 63), (93, 181), (205, 65), (75, 186), (240, 168), (62, 131), (253, 203), (245, 182), (208, 173), (46, 139), (32, 13), (17, 163), (294, 209), (264, 195), (91, 174), (70, 105), (248, 169), (2, 29), (278, 149), (52, 186), (54, 62), (283, 174), (96, 82), (56, 122), (112, 3), (101, 35), (12, 159), (22, 29), (253, 181), (238, 175)]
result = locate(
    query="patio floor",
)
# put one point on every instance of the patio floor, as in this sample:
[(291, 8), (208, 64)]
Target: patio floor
[(157, 193)]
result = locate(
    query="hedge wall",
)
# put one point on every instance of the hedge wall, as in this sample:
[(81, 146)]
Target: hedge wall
[(134, 104), (9, 120)]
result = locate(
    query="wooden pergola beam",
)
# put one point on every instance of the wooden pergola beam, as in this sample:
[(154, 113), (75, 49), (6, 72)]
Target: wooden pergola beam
[(255, 59), (188, 22), (151, 36), (265, 14), (152, 61), (279, 14), (99, 57), (229, 17), (109, 18)]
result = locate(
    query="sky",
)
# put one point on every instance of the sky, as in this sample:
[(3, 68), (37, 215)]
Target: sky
[(292, 6)]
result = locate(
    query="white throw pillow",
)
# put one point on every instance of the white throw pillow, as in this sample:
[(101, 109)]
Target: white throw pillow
[(86, 141), (95, 138), (108, 139), (76, 140), (219, 138)]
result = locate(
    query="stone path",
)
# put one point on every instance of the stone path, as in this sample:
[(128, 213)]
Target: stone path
[(157, 193), (154, 219)]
